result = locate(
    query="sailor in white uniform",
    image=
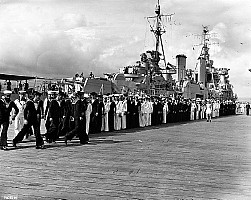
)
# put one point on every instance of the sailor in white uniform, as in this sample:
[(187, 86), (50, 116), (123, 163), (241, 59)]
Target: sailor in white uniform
[(143, 112), (118, 115), (193, 109), (203, 109), (141, 108), (19, 120), (107, 104), (165, 111), (209, 111), (214, 109), (217, 108), (124, 112), (198, 110), (88, 113), (148, 110)]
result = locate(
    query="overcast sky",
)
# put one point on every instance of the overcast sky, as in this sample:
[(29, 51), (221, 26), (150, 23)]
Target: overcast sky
[(58, 38)]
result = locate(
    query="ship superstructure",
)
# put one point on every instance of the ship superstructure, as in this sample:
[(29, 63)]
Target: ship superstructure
[(151, 75), (205, 81), (216, 80)]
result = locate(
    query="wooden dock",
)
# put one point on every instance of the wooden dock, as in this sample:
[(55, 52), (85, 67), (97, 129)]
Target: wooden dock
[(188, 161)]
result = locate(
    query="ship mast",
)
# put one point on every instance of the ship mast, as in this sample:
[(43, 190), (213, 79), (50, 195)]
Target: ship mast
[(158, 30), (205, 43)]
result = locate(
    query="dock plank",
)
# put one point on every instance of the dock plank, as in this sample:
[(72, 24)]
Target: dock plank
[(195, 160)]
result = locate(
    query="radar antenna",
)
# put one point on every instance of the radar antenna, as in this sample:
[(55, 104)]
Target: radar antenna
[(158, 29), (205, 38)]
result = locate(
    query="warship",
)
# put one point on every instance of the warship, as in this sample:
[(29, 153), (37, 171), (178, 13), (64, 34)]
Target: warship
[(152, 75), (205, 81)]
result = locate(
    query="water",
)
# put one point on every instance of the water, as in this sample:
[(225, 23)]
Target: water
[(244, 99)]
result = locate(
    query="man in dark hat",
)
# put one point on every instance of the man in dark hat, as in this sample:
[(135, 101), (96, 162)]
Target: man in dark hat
[(247, 108), (62, 113), (134, 112), (78, 118), (94, 113), (30, 119), (6, 106), (84, 104), (111, 113), (66, 116), (88, 112), (100, 113), (52, 120), (129, 112), (39, 106), (154, 119)]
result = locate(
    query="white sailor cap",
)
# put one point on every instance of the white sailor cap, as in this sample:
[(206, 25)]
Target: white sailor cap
[(7, 92), (86, 95), (22, 92), (52, 92)]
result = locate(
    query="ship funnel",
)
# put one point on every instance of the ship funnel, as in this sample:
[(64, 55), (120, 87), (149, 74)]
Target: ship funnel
[(202, 71), (181, 65)]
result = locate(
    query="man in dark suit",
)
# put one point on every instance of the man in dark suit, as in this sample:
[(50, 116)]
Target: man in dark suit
[(160, 111), (155, 112), (94, 114), (247, 108), (30, 119), (135, 106), (78, 117), (129, 113), (39, 106), (111, 114), (66, 123), (100, 113), (52, 120), (62, 113), (6, 106), (84, 104)]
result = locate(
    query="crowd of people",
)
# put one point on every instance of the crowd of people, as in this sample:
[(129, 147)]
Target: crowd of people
[(80, 114), (243, 108)]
